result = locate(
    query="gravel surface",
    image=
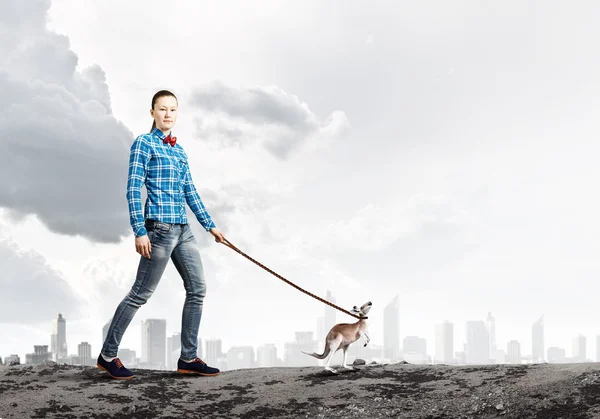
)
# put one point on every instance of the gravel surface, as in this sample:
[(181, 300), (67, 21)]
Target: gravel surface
[(538, 391)]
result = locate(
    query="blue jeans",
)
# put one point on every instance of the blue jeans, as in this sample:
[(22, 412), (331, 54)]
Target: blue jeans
[(174, 241)]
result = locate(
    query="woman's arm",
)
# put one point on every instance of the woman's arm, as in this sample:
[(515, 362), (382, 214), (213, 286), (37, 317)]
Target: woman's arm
[(138, 165)]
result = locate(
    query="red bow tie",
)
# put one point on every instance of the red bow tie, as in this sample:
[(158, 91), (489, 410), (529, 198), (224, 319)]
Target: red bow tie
[(170, 140)]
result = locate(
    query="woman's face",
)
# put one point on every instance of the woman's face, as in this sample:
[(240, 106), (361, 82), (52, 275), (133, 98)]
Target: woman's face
[(165, 112)]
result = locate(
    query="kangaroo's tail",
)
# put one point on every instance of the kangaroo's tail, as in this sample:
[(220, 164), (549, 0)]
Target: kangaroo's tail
[(321, 356)]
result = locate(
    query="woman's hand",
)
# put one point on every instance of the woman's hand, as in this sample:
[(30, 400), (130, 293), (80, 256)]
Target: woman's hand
[(143, 246), (219, 237)]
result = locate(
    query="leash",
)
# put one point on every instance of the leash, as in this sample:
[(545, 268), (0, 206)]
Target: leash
[(230, 245)]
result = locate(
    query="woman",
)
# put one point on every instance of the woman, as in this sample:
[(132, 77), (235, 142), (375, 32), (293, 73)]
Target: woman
[(162, 232)]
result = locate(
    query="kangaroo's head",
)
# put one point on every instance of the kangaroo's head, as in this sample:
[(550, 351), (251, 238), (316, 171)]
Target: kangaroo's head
[(362, 310)]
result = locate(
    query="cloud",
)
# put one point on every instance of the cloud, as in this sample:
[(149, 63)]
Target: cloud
[(269, 116), (32, 291), (65, 155), (60, 125)]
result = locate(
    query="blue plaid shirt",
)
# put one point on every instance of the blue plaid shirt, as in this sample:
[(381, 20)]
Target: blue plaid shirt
[(165, 172)]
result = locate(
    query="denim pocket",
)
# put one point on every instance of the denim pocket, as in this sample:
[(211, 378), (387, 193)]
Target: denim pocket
[(161, 227)]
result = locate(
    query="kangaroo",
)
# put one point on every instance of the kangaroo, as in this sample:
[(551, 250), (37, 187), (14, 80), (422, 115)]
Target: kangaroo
[(342, 335)]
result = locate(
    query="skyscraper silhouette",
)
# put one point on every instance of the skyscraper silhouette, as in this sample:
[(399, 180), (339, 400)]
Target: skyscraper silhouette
[(513, 349), (84, 352), (325, 323), (39, 355), (58, 339), (214, 351), (174, 350), (330, 313), (444, 342), (579, 348), (414, 345), (239, 357), (391, 330), (478, 343), (292, 351), (154, 342), (491, 327), (556, 355), (537, 340), (266, 355), (105, 330)]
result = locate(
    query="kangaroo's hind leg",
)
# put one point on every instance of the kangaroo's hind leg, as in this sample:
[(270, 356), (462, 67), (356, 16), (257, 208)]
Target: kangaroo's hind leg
[(334, 345), (348, 367)]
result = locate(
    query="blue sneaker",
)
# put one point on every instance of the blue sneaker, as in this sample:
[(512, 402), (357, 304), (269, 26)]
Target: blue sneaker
[(197, 366), (114, 368)]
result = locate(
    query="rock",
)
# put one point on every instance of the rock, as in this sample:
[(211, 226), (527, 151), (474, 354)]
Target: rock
[(359, 361), (388, 390)]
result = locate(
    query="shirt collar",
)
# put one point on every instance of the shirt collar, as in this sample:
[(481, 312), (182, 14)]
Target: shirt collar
[(159, 133)]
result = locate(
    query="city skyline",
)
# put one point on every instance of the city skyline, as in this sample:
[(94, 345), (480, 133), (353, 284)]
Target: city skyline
[(161, 351)]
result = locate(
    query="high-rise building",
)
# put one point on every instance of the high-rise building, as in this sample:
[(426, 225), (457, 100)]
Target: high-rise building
[(266, 355), (444, 343), (239, 357), (154, 340), (537, 340), (330, 313), (556, 355), (174, 350), (325, 323), (39, 356), (84, 351), (391, 330), (478, 343), (127, 356), (513, 349), (58, 339), (414, 350), (491, 328), (371, 352), (105, 330), (579, 349), (414, 345), (214, 351), (12, 359), (304, 338), (322, 329), (292, 351)]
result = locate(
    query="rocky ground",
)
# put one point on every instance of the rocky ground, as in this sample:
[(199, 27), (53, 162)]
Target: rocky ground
[(540, 391)]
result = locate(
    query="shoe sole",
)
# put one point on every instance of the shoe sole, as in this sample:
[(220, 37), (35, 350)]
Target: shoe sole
[(192, 372), (116, 378)]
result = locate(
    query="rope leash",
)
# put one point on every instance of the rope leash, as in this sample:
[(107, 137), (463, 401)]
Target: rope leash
[(231, 246)]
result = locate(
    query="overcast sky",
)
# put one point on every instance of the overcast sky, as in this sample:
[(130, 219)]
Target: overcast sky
[(442, 151)]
